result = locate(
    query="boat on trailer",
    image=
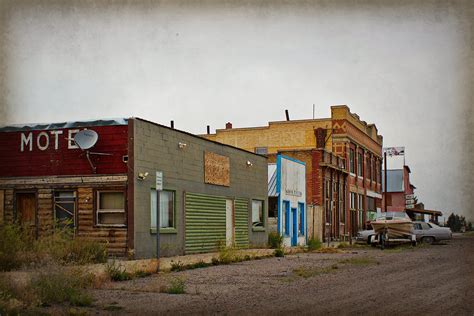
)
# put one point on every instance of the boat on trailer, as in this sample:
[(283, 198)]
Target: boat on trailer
[(393, 227)]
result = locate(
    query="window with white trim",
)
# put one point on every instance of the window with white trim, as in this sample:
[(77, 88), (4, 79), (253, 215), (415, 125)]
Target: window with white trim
[(353, 201), (257, 213), (111, 208)]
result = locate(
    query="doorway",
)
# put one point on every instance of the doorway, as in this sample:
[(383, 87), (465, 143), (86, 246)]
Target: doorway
[(26, 210), (294, 235), (229, 223)]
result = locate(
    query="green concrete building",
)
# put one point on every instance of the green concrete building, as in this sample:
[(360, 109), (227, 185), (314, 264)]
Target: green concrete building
[(213, 194)]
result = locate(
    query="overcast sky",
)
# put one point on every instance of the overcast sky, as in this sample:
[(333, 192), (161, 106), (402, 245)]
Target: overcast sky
[(404, 67)]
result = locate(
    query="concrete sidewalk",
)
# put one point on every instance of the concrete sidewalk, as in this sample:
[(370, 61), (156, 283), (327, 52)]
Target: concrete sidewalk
[(166, 263)]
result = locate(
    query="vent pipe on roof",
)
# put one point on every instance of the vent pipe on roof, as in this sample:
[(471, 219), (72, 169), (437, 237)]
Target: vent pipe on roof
[(172, 124), (208, 129), (287, 115)]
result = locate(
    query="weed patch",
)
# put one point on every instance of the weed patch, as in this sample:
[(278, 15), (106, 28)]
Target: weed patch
[(343, 245), (177, 266), (227, 255), (279, 252), (117, 273), (275, 240), (314, 244), (176, 286), (19, 249)]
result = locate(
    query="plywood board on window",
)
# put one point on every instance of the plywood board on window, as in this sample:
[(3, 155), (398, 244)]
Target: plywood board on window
[(216, 169)]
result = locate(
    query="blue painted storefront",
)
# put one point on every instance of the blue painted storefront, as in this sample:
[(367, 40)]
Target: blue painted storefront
[(291, 193)]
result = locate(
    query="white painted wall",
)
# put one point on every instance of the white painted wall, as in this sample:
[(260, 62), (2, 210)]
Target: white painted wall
[(292, 189)]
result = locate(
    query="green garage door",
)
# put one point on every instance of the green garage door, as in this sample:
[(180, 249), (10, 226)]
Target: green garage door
[(206, 225), (241, 223)]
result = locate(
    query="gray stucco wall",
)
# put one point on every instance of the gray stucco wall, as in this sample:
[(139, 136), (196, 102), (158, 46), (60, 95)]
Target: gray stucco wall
[(156, 149)]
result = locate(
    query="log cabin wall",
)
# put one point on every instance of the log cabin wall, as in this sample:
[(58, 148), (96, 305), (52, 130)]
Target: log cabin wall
[(85, 211)]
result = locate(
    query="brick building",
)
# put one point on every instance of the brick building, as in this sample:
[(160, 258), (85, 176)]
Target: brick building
[(400, 191), (343, 158)]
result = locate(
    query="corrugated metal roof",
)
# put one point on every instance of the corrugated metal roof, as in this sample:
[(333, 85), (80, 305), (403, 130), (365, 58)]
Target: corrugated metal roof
[(47, 126), (272, 177), (394, 181)]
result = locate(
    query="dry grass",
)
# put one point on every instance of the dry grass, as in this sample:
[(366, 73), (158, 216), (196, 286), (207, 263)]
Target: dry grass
[(52, 286), (18, 249)]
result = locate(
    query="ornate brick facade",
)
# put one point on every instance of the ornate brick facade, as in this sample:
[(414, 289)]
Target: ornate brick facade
[(324, 145)]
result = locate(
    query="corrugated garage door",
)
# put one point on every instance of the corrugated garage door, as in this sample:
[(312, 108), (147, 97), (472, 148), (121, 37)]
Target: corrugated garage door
[(241, 223), (205, 223)]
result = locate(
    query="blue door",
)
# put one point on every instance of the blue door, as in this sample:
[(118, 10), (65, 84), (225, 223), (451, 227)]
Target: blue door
[(294, 233)]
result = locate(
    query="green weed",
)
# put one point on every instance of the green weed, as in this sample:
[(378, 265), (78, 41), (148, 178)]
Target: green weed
[(275, 240), (314, 244), (177, 266), (59, 286), (116, 272), (279, 252), (176, 286)]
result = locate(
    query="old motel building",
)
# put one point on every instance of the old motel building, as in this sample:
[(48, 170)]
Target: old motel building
[(212, 194), (343, 158)]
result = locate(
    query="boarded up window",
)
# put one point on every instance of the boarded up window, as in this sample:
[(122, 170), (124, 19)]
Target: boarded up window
[(216, 169)]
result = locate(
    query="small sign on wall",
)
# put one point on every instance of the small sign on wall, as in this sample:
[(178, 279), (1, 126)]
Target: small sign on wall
[(216, 169), (159, 181)]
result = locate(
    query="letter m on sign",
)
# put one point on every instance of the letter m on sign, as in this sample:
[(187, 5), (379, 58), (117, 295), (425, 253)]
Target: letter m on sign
[(26, 140)]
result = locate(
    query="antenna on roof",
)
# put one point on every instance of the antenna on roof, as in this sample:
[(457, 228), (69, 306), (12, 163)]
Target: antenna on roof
[(313, 110), (85, 140)]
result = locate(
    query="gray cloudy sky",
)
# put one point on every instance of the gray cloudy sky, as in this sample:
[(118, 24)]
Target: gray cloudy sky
[(404, 67)]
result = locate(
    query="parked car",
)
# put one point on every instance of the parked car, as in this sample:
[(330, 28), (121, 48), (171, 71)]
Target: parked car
[(364, 235), (430, 232)]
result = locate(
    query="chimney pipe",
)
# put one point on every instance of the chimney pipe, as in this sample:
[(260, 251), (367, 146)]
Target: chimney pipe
[(208, 129), (172, 124), (287, 115), (228, 125)]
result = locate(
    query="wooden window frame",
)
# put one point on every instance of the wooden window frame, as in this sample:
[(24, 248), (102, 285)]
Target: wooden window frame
[(75, 217), (97, 211)]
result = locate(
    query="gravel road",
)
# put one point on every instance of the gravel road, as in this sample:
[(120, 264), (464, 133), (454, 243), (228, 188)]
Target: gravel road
[(429, 280)]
